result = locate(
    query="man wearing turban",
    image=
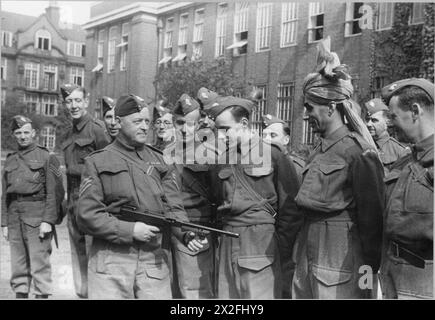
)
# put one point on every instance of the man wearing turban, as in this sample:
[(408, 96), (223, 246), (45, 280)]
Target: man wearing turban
[(342, 192)]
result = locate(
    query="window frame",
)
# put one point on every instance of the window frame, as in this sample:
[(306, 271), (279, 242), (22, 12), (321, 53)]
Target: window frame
[(294, 21), (221, 29), (198, 26), (350, 19), (50, 69), (287, 102), (311, 15), (38, 36), (9, 36), (33, 68), (378, 16), (125, 33), (4, 68), (77, 73), (111, 49), (48, 134), (263, 30), (412, 17), (49, 102), (260, 109), (241, 13), (183, 29)]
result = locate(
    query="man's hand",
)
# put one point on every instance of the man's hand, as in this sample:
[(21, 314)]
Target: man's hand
[(195, 244), (44, 229), (5, 233), (144, 232)]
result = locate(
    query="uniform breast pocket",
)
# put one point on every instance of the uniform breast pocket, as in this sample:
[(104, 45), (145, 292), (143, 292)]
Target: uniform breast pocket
[(419, 194), (37, 172), (115, 180), (262, 178), (227, 187), (83, 147)]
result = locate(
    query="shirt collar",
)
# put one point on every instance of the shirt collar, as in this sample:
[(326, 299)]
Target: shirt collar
[(333, 138), (383, 139), (423, 150), (82, 121), (31, 147), (123, 146)]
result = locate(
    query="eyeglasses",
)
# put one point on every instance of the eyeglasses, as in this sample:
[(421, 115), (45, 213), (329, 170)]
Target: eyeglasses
[(166, 123)]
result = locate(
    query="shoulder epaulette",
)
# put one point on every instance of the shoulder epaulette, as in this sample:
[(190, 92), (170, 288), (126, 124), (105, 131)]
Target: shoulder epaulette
[(95, 152), (42, 147), (11, 153), (99, 123), (364, 145), (397, 142)]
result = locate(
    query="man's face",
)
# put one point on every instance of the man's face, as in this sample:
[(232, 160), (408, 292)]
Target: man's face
[(24, 135), (318, 117), (228, 128), (186, 125), (134, 127), (77, 104), (401, 119), (377, 124), (112, 126), (275, 134), (164, 127)]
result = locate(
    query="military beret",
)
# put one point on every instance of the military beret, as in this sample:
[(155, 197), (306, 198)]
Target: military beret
[(67, 89), (107, 104), (375, 105), (206, 97), (268, 119), (129, 104), (185, 105), (391, 89), (18, 121), (223, 103), (159, 111)]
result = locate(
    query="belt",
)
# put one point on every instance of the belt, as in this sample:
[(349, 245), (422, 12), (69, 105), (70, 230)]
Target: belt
[(407, 255), (21, 197)]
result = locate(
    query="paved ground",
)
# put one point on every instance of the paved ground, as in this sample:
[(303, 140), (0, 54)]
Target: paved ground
[(61, 268)]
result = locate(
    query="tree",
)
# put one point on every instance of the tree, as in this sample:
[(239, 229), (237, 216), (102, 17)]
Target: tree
[(427, 65), (189, 77)]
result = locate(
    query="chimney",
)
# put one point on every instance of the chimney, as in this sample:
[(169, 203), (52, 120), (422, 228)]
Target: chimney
[(53, 12)]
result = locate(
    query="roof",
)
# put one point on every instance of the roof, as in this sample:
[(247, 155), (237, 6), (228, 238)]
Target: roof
[(13, 22)]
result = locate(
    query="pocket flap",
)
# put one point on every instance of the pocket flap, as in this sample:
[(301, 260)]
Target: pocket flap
[(111, 167), (157, 272), (331, 277), (255, 263), (197, 167), (225, 173), (329, 168), (11, 166), (258, 172), (83, 142), (35, 165)]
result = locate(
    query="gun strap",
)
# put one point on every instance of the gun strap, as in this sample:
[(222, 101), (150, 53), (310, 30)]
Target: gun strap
[(251, 190)]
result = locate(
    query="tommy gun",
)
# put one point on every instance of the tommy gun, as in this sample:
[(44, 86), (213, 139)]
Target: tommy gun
[(130, 213)]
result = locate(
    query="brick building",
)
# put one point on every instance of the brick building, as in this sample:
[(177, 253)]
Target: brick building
[(37, 55), (272, 45)]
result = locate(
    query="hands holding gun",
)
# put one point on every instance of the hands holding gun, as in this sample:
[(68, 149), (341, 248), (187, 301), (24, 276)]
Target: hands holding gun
[(148, 224)]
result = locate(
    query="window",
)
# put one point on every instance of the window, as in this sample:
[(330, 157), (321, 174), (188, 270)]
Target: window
[(240, 45), (221, 30), (385, 16), (100, 51), (49, 105), (315, 21), (77, 76), (167, 42), (417, 15), (378, 83), (181, 56), (286, 94), (289, 23), (264, 26), (182, 32), (259, 109), (4, 68), (31, 75), (125, 30), (112, 49), (48, 137), (32, 103), (6, 39), (198, 33), (353, 18), (308, 133), (50, 77), (76, 49), (43, 40)]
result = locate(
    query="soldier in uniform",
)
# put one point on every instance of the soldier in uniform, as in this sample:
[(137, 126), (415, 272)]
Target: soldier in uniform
[(194, 269), (256, 200), (112, 127), (407, 267), (127, 259), (85, 136), (389, 148), (277, 132), (163, 126), (341, 195), (31, 177)]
